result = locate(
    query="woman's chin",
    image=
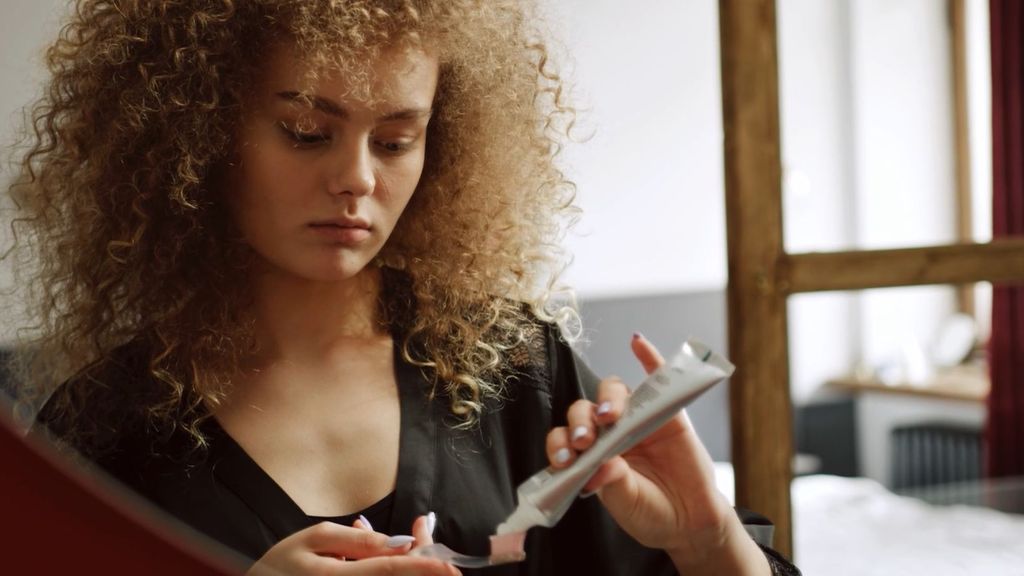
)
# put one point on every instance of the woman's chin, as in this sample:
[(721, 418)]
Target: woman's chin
[(334, 275), (332, 272)]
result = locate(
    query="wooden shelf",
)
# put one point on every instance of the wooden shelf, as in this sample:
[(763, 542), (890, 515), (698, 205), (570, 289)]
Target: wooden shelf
[(968, 383)]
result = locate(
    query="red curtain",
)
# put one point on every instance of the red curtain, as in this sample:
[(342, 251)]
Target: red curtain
[(1004, 435)]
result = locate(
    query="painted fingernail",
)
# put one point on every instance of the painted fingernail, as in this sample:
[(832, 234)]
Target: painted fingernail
[(366, 523), (579, 432), (604, 408), (563, 455), (431, 523), (399, 541)]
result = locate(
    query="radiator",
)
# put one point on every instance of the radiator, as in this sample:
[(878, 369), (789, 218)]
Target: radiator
[(935, 454)]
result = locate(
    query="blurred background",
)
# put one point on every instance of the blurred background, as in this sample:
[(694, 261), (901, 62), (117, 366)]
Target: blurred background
[(870, 151), (868, 145)]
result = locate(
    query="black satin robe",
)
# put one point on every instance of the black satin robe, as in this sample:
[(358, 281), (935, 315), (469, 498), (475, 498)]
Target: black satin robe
[(467, 478)]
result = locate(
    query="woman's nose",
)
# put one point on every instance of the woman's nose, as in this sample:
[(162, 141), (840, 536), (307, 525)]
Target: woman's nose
[(352, 171)]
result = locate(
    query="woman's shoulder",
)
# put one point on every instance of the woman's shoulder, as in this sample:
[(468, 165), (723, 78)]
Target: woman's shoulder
[(104, 402), (544, 359)]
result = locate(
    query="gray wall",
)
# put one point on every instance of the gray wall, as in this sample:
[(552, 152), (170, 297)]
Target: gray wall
[(666, 320)]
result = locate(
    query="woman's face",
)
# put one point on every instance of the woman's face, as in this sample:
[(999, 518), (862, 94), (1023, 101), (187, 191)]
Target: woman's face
[(321, 181)]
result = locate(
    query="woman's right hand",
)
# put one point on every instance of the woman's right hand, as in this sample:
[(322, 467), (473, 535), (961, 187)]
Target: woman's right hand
[(327, 548)]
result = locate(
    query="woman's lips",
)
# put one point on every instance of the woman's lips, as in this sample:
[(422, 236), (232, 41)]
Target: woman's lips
[(341, 233)]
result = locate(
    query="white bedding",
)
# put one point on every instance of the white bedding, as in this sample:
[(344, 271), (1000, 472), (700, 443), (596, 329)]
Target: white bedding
[(854, 526)]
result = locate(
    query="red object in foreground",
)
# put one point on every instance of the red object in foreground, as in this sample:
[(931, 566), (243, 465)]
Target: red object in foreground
[(59, 520)]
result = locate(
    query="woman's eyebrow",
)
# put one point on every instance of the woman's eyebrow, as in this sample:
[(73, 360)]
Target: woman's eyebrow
[(322, 104), (406, 114), (330, 107)]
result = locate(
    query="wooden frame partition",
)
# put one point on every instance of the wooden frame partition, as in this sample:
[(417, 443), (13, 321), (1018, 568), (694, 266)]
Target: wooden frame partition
[(762, 433), (762, 275)]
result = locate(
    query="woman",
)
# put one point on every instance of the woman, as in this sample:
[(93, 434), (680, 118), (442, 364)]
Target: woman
[(296, 266)]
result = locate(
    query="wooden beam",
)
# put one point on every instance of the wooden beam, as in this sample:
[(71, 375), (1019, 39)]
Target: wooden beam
[(762, 436), (997, 261), (961, 150)]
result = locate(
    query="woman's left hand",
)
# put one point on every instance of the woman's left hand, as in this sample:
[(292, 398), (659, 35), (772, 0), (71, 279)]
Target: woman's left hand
[(662, 491)]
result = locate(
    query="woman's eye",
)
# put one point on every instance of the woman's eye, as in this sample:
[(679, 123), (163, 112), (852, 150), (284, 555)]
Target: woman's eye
[(392, 147), (303, 137)]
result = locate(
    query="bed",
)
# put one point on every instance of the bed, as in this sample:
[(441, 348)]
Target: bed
[(857, 527)]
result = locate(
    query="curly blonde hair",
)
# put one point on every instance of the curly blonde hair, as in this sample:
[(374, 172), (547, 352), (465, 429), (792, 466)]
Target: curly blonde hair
[(123, 237)]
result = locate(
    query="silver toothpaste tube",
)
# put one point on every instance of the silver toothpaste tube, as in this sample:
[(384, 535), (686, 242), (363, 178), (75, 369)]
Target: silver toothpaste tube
[(545, 496)]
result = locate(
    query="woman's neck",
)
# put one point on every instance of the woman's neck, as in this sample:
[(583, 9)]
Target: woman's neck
[(302, 320)]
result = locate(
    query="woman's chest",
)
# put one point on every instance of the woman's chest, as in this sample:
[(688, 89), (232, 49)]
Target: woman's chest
[(467, 477), (333, 453)]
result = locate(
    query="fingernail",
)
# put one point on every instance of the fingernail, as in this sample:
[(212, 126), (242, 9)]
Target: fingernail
[(586, 494), (637, 335), (399, 541), (431, 523), (604, 408), (579, 432), (366, 523), (562, 456)]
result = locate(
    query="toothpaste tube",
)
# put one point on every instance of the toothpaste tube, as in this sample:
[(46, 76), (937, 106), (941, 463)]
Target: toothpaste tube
[(545, 496)]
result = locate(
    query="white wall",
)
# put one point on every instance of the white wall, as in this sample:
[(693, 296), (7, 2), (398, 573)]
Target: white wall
[(817, 121), (903, 157), (26, 27), (979, 103), (867, 112), (866, 93), (817, 126), (650, 179)]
